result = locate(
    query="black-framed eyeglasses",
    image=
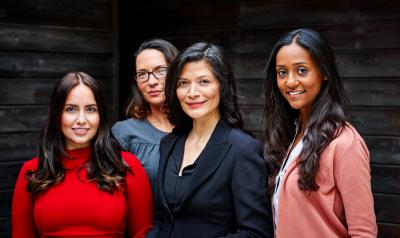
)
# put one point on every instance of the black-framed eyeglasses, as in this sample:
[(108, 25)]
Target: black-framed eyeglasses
[(143, 76)]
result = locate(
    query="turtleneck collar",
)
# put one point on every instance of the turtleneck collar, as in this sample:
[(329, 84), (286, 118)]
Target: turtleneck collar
[(76, 158)]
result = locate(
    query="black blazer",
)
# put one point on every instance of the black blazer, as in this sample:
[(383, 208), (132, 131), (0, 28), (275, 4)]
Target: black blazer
[(227, 196)]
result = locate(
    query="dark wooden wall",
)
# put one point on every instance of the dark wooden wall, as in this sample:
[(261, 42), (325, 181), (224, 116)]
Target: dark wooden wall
[(365, 36), (39, 42)]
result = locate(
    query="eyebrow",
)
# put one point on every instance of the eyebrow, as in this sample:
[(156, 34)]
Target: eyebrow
[(157, 67), (74, 105), (298, 63)]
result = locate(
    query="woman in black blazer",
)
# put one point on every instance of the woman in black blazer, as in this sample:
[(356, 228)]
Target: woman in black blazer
[(212, 175)]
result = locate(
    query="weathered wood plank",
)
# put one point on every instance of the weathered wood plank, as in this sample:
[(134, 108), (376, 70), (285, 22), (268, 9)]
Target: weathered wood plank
[(385, 179), (50, 39), (312, 13), (13, 64), (351, 64), (5, 227), (375, 35), (5, 204), (388, 230), (9, 174), (383, 150), (19, 146), (17, 91), (387, 208), (72, 13), (377, 121), (21, 118)]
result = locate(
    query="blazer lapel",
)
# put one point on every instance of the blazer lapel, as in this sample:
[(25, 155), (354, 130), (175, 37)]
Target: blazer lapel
[(209, 159), (168, 144)]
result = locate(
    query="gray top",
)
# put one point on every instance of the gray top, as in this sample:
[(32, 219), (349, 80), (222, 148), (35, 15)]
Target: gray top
[(142, 139)]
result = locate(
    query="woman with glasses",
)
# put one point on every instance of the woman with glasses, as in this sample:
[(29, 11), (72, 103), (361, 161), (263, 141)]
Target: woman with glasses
[(212, 175), (81, 184), (319, 163), (147, 123)]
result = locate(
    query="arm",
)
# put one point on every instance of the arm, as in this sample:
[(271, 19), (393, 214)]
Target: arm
[(118, 131), (249, 189), (352, 174), (23, 224), (139, 199)]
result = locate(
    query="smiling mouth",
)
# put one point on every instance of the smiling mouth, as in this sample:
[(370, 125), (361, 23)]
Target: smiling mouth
[(80, 131), (195, 104), (296, 92)]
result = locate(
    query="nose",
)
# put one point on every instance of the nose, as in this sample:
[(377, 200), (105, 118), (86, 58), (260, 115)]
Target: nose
[(81, 117), (152, 80), (193, 92), (291, 81)]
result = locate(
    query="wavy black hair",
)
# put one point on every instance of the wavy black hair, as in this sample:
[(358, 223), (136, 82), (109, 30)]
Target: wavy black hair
[(214, 57), (328, 115), (137, 107), (105, 166)]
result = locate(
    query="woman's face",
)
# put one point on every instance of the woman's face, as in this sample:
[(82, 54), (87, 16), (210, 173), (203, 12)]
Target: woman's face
[(198, 91), (80, 118), (151, 88), (298, 78)]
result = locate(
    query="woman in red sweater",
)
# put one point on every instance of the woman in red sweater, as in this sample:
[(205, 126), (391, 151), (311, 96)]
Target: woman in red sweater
[(81, 184), (318, 163)]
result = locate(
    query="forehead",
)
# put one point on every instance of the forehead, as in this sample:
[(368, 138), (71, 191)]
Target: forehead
[(196, 69), (150, 57), (293, 53), (81, 94)]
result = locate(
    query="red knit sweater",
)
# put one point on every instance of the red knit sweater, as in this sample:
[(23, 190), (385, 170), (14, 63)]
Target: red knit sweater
[(77, 208)]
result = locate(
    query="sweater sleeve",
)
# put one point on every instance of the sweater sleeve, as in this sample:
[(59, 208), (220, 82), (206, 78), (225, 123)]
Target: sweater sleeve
[(352, 173), (139, 199), (22, 218)]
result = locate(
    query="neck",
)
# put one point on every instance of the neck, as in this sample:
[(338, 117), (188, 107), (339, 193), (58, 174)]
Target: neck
[(203, 128), (159, 119)]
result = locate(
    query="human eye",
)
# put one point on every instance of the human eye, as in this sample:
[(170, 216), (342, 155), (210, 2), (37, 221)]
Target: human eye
[(141, 75), (204, 82), (182, 84), (161, 71), (281, 73), (302, 70), (92, 108), (70, 109)]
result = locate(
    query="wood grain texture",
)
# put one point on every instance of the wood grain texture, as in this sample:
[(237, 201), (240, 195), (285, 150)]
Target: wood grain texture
[(21, 118), (18, 146), (18, 64), (388, 230), (383, 149), (385, 179), (54, 39), (387, 208), (72, 13)]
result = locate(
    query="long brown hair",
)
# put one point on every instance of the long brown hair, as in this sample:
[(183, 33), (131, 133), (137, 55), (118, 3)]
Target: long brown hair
[(328, 114), (105, 166)]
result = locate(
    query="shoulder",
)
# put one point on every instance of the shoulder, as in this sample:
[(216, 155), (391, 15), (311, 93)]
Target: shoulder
[(347, 141), (130, 159), (241, 139), (121, 126), (31, 165)]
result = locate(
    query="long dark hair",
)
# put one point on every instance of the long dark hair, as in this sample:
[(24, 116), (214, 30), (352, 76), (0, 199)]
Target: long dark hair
[(328, 114), (137, 107), (105, 165), (214, 57)]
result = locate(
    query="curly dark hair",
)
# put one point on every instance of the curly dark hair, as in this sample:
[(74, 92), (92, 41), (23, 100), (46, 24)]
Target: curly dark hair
[(214, 57), (137, 107), (105, 166), (328, 115)]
